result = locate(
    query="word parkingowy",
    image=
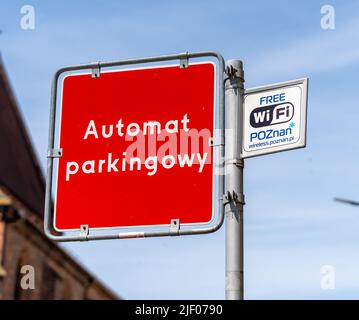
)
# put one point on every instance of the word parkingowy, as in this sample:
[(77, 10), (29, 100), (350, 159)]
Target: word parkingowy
[(111, 164)]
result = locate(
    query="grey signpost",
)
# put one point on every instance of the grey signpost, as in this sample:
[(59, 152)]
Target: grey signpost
[(234, 179), (258, 121)]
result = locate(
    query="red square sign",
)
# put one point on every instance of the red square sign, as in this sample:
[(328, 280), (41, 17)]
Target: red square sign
[(136, 148)]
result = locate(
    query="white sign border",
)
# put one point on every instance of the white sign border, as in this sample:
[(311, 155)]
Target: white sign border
[(214, 156)]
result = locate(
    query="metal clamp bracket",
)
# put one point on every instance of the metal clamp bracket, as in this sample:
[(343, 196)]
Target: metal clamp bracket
[(237, 162), (184, 61), (233, 197), (174, 227), (54, 153), (96, 70), (84, 231), (232, 73), (216, 142)]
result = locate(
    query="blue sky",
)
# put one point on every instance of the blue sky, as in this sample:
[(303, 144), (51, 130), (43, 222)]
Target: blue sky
[(292, 225)]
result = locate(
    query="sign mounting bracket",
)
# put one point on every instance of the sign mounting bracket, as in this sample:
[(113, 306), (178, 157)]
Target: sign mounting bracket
[(55, 153), (216, 142), (184, 61), (84, 231), (175, 227), (96, 70)]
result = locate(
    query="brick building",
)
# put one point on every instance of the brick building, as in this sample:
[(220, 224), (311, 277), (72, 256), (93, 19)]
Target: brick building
[(22, 241)]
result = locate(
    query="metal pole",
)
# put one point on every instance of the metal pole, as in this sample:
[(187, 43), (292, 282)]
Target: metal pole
[(234, 180)]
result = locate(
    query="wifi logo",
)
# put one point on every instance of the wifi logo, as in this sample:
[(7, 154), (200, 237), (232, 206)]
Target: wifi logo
[(272, 114)]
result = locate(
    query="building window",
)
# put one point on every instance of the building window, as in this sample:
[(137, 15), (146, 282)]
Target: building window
[(50, 282), (67, 291)]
